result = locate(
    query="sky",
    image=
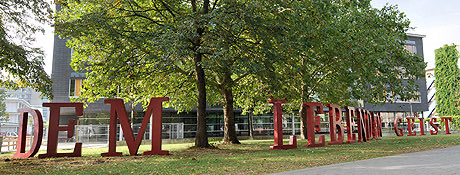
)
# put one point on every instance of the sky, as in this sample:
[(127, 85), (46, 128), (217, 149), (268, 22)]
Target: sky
[(439, 20)]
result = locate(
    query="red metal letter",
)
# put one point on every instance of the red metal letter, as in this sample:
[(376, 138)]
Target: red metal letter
[(314, 124), (410, 126), (351, 137), (368, 124), (278, 127), (446, 122), (54, 128), (434, 126), (38, 133), (400, 133), (422, 126), (378, 125), (362, 133), (335, 124), (117, 109)]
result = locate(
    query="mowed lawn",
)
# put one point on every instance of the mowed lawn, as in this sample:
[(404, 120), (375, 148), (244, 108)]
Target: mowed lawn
[(251, 157)]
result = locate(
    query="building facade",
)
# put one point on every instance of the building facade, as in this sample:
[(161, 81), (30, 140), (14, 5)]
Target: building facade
[(17, 99), (404, 108)]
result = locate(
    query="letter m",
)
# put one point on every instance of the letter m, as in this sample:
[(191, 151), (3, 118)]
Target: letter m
[(117, 109)]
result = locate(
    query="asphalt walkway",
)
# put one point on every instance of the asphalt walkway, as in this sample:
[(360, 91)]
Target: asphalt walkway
[(438, 161)]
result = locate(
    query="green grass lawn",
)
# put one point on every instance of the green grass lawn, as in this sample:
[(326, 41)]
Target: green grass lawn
[(251, 157)]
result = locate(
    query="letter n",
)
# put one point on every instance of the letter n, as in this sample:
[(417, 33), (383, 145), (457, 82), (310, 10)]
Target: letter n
[(361, 126), (117, 109)]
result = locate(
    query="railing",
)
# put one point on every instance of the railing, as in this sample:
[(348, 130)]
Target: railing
[(100, 133), (11, 143), (431, 84), (431, 113), (432, 97)]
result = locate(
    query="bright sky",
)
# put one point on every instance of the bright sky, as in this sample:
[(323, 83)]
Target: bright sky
[(438, 20)]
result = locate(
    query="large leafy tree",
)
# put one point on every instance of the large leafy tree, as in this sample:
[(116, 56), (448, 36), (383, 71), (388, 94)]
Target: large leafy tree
[(344, 51), (245, 36), (329, 51), (149, 47), (22, 64), (139, 49)]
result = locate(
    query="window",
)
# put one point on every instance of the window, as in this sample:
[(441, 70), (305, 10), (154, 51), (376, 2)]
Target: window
[(411, 48), (398, 99), (75, 87)]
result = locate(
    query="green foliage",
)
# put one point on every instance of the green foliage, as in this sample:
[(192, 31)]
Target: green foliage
[(344, 51), (136, 49), (3, 114), (21, 64), (148, 54), (454, 124), (249, 51), (447, 80)]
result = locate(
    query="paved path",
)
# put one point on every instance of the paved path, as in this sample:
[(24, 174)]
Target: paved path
[(439, 161)]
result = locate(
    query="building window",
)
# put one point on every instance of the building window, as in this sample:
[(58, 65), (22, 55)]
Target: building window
[(411, 48), (412, 100), (75, 87)]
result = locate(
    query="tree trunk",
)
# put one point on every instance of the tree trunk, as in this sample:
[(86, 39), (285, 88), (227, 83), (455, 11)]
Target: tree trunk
[(303, 118), (229, 117), (201, 138), (251, 129), (303, 121)]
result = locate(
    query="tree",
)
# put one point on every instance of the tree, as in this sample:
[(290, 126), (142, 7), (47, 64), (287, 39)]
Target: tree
[(165, 48), (22, 64), (139, 43), (447, 80), (245, 35), (346, 51)]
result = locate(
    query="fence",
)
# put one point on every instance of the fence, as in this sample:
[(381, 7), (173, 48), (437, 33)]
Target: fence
[(100, 133), (10, 143)]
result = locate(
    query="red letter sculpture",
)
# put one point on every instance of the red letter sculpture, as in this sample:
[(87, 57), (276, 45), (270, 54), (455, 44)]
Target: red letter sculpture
[(379, 125), (400, 133), (446, 122), (351, 137), (368, 124), (314, 124), (361, 126), (278, 127), (117, 109), (422, 126), (335, 124), (434, 126), (410, 126), (38, 133), (374, 126), (54, 128)]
